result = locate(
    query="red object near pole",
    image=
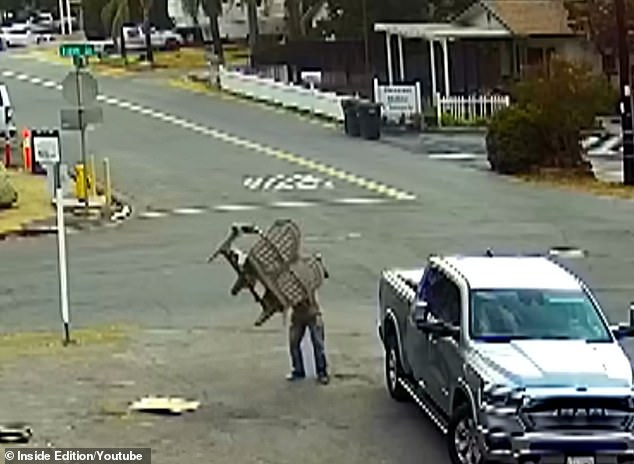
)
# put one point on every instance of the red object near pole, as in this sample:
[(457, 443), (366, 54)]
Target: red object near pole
[(7, 153)]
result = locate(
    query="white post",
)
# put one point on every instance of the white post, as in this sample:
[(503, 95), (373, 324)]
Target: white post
[(61, 251), (438, 109), (432, 70), (401, 58), (69, 17), (445, 59), (388, 45), (376, 90), (62, 17), (419, 103)]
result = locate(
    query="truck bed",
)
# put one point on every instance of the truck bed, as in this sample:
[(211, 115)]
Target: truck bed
[(397, 291)]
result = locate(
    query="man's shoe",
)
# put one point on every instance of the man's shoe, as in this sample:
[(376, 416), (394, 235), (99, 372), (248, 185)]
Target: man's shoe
[(293, 376), (323, 379)]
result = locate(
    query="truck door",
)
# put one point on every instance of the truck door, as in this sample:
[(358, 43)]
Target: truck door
[(416, 342), (444, 353)]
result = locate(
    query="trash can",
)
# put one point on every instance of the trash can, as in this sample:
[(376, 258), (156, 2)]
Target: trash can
[(351, 117), (370, 120)]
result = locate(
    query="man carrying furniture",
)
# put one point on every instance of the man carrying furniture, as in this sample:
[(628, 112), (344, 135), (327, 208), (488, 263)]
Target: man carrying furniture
[(307, 315)]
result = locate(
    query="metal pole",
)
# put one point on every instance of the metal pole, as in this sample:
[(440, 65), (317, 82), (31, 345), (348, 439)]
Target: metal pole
[(61, 253), (366, 40), (62, 24), (82, 131), (626, 94), (69, 17)]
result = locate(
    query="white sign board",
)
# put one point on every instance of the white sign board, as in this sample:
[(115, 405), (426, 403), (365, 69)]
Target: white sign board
[(398, 100), (46, 149)]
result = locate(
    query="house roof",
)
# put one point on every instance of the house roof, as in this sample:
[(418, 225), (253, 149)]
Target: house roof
[(438, 30), (531, 17)]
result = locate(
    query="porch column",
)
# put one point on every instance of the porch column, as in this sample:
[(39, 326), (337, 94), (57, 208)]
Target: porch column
[(401, 59), (445, 57), (432, 69), (388, 46)]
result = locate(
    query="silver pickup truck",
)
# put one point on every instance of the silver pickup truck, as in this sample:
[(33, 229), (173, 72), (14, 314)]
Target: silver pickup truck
[(511, 357)]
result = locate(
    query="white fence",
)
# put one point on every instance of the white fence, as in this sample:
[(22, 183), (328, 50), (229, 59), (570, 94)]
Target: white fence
[(470, 109), (326, 104)]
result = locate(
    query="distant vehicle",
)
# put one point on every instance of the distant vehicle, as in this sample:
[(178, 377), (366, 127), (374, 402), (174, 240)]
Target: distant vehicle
[(7, 125), (511, 357), (161, 39), (18, 35)]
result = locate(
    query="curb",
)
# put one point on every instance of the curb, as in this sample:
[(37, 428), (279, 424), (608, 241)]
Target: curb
[(41, 227)]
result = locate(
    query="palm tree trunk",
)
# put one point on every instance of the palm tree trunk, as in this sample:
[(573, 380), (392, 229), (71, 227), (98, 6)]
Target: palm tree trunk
[(293, 26), (149, 53), (215, 36), (252, 15)]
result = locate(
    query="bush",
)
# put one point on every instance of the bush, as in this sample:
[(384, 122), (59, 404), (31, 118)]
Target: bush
[(542, 127), (8, 195)]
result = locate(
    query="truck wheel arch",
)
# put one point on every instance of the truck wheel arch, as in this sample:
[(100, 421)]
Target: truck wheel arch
[(390, 325), (462, 395)]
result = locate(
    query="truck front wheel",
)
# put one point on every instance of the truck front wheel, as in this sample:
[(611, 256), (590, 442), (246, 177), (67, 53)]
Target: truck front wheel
[(394, 370), (462, 440)]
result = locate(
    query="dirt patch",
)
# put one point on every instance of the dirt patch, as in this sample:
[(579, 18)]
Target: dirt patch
[(579, 183), (33, 202), (28, 344)]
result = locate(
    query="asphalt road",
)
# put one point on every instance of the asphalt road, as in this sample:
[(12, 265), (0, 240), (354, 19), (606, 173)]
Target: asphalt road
[(150, 273)]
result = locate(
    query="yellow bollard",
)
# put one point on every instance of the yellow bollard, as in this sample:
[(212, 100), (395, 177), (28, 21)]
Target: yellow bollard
[(107, 182), (92, 177), (80, 182)]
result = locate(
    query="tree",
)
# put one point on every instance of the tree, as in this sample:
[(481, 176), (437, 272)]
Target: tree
[(597, 19), (118, 12), (213, 10), (345, 16)]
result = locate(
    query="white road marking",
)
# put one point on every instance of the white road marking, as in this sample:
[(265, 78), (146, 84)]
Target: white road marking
[(235, 207), (359, 201), (454, 156), (152, 214), (188, 211), (282, 155), (291, 204)]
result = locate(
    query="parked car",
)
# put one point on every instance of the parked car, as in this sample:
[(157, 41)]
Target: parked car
[(18, 35), (511, 357), (161, 39), (7, 124)]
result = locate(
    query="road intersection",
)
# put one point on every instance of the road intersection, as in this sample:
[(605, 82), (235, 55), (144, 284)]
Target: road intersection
[(172, 150)]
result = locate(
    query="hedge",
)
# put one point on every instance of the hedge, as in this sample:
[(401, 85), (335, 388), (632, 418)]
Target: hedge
[(542, 127)]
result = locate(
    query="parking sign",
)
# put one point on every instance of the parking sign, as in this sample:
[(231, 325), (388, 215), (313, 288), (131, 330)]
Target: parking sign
[(46, 148)]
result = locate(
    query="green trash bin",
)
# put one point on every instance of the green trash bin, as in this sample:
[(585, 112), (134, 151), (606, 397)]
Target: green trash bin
[(351, 117), (370, 120)]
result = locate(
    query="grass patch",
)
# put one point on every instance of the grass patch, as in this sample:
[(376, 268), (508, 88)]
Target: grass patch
[(185, 59), (33, 201), (580, 183), (29, 344)]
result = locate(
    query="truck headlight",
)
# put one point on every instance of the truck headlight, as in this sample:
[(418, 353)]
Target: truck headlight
[(501, 395)]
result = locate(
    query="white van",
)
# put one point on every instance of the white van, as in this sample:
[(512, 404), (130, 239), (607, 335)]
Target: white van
[(7, 125)]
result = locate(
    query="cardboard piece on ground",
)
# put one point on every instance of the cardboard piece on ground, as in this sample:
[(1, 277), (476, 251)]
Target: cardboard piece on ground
[(164, 405)]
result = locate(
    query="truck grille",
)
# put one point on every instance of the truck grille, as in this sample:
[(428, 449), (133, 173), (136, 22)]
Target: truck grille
[(578, 414)]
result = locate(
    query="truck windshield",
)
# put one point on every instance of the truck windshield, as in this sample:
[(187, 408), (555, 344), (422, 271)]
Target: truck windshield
[(505, 314)]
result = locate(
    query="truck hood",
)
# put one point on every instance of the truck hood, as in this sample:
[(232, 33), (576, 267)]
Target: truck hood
[(556, 363)]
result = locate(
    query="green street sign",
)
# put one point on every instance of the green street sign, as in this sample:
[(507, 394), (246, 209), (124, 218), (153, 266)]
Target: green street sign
[(72, 50)]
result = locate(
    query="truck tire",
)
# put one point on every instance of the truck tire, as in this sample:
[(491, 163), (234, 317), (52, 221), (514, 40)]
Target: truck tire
[(394, 370), (461, 439)]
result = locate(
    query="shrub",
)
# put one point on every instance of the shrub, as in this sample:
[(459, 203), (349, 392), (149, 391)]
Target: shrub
[(542, 127), (8, 195)]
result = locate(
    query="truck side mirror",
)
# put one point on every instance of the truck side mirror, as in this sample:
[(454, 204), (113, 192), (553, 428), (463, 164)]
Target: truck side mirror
[(420, 308)]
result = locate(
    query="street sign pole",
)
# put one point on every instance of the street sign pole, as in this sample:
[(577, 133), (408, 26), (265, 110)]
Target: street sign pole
[(46, 151), (626, 95), (82, 128), (61, 253)]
